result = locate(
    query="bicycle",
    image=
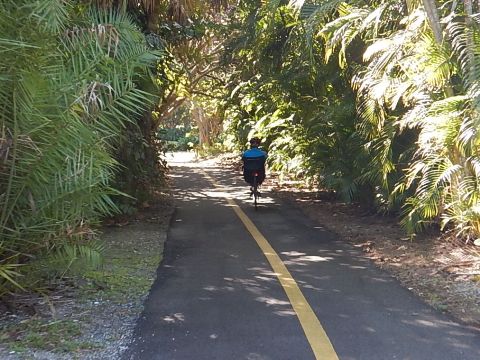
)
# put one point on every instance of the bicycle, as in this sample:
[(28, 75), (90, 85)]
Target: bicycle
[(254, 190), (254, 173)]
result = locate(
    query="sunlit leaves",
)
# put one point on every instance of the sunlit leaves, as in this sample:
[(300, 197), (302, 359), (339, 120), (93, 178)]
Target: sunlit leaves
[(68, 89), (412, 139)]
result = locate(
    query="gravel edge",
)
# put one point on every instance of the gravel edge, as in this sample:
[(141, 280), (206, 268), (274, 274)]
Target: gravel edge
[(106, 324)]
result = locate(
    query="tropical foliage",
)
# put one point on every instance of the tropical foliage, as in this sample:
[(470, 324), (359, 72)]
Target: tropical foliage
[(68, 90), (376, 99), (85, 86)]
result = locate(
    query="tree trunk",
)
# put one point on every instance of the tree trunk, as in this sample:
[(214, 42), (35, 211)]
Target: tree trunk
[(153, 19), (434, 20), (470, 43), (203, 125)]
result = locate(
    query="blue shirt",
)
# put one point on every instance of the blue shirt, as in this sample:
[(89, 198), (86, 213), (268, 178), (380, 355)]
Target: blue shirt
[(254, 153)]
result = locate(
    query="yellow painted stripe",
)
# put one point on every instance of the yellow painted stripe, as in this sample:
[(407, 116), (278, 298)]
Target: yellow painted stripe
[(316, 335)]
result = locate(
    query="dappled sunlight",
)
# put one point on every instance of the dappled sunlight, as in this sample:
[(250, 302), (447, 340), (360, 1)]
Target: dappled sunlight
[(374, 103), (357, 267), (220, 191), (428, 320), (292, 253), (285, 312), (301, 259), (255, 356), (304, 260), (264, 278), (382, 280), (455, 338), (246, 282), (180, 157), (219, 194), (272, 301), (264, 272), (459, 345), (217, 289), (353, 267), (334, 278), (305, 285), (258, 286), (174, 318), (427, 323), (238, 193), (198, 195)]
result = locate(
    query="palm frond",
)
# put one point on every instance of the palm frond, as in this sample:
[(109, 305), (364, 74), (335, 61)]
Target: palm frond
[(72, 259), (52, 14), (68, 88)]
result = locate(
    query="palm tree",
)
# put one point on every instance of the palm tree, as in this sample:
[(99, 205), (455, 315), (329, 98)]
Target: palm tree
[(411, 70), (434, 19), (64, 104)]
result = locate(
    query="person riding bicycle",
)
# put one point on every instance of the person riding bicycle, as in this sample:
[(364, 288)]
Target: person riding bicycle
[(254, 162)]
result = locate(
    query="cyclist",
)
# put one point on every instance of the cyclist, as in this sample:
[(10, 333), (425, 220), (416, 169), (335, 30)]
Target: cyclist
[(254, 162)]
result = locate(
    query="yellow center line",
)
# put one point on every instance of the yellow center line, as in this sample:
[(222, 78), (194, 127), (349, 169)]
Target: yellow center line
[(316, 335)]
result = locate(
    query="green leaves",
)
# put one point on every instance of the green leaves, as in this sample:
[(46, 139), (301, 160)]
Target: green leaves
[(68, 90), (412, 138)]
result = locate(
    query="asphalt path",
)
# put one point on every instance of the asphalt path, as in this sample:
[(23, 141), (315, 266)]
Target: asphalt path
[(217, 297)]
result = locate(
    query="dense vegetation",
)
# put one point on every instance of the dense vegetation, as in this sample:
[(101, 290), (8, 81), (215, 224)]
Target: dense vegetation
[(68, 89), (84, 87), (377, 100)]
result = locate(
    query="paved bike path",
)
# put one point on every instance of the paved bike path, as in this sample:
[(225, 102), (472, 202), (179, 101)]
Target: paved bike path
[(216, 296)]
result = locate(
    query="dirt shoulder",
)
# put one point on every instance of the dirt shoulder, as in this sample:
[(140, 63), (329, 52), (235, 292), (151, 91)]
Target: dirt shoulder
[(92, 317)]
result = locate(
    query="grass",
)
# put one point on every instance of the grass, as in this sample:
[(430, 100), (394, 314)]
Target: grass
[(58, 336), (130, 260), (125, 276), (121, 278)]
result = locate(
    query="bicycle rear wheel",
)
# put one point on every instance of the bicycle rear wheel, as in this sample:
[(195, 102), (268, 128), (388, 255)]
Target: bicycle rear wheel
[(255, 191)]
